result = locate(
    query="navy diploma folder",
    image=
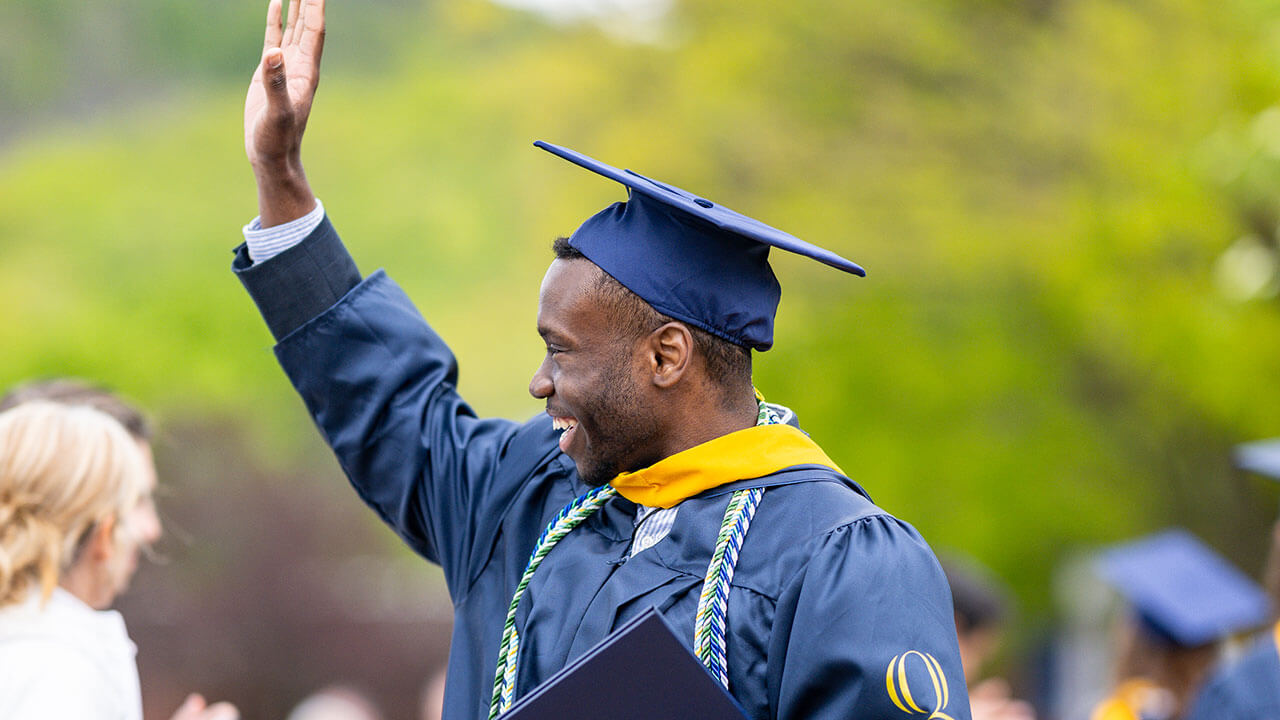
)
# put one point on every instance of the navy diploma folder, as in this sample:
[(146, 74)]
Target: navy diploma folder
[(640, 672)]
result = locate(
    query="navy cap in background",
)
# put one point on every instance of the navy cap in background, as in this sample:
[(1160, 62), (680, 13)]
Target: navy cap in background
[(688, 257), (1183, 591), (1262, 457)]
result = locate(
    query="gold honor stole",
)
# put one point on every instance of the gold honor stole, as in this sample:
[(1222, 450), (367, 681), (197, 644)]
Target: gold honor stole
[(743, 455), (1127, 701), (1276, 635)]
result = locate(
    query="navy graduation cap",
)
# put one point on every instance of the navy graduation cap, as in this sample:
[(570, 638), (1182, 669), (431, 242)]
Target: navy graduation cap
[(1183, 592), (690, 258), (1262, 457)]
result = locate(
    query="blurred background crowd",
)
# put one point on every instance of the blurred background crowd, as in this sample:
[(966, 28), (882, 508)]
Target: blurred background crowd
[(1069, 211)]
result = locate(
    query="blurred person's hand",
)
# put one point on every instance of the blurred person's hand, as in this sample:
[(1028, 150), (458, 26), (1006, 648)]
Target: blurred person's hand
[(195, 708), (278, 105), (991, 700)]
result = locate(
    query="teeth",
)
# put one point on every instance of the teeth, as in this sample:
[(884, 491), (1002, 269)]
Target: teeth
[(563, 423)]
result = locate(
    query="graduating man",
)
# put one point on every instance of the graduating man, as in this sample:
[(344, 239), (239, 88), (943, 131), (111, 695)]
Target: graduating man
[(656, 478)]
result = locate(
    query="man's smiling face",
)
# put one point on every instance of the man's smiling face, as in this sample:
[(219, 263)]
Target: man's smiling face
[(592, 376)]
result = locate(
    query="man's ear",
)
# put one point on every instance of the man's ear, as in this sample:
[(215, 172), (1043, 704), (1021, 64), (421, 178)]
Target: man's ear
[(101, 544), (670, 353)]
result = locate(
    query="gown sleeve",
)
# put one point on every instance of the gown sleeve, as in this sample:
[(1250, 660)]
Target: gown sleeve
[(381, 386), (868, 631)]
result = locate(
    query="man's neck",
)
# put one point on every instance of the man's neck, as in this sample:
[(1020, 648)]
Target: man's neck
[(702, 419)]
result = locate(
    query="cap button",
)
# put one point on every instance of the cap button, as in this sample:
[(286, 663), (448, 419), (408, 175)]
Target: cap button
[(704, 203)]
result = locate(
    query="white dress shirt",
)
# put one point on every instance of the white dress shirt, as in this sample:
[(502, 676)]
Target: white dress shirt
[(65, 660)]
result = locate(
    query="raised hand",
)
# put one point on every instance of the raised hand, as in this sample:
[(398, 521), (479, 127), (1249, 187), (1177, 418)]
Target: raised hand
[(278, 105)]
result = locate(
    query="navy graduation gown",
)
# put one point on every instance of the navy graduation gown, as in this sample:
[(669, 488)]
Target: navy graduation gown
[(838, 610), (1248, 689)]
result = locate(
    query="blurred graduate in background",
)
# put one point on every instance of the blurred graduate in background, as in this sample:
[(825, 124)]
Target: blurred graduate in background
[(1249, 688), (982, 611), (1183, 601)]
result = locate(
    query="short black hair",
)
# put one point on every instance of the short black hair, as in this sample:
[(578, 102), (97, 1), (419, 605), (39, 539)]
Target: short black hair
[(728, 364), (980, 601)]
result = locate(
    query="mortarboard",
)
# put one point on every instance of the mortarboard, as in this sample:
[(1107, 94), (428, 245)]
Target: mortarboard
[(1182, 591), (1262, 457), (690, 258)]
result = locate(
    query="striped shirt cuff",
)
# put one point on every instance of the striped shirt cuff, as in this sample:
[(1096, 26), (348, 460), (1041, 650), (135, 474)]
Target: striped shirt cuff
[(266, 243)]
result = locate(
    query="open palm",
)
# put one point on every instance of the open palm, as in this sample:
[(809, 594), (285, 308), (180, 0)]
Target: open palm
[(283, 87)]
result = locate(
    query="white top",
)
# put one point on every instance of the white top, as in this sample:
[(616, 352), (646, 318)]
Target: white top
[(66, 660)]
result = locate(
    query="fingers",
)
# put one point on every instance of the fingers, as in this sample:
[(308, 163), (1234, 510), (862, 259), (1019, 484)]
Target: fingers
[(190, 708), (311, 39), (221, 711), (274, 32), (301, 21), (292, 23), (193, 708), (310, 17)]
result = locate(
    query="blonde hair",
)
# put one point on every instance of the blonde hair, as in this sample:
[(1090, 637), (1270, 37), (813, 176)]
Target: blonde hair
[(63, 470)]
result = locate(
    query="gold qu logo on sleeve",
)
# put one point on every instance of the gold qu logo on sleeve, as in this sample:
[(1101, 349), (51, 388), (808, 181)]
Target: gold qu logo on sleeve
[(900, 690)]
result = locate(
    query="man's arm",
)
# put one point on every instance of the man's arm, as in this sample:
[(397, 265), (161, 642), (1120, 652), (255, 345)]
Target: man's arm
[(380, 384), (310, 270), (278, 105)]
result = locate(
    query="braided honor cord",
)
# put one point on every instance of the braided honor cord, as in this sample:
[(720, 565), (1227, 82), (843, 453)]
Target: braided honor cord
[(713, 605), (504, 679)]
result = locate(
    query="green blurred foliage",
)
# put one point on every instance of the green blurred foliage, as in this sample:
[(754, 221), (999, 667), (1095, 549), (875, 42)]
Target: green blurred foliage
[(70, 59), (1042, 357)]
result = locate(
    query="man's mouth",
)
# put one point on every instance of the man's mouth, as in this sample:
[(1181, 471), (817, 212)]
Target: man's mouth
[(569, 427)]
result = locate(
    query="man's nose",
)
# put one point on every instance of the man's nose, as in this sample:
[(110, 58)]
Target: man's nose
[(541, 386)]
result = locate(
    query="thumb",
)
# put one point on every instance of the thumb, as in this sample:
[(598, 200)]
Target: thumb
[(275, 82)]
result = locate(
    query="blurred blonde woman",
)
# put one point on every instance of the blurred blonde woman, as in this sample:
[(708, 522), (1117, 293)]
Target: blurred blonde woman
[(75, 509)]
